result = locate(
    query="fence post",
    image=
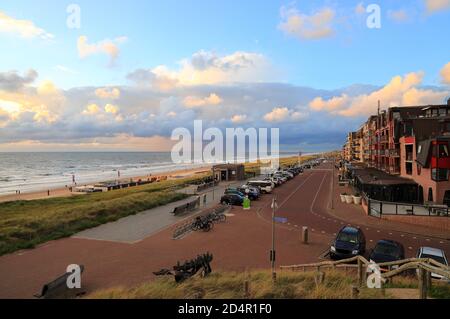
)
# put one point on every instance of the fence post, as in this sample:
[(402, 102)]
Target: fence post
[(422, 284), (360, 273)]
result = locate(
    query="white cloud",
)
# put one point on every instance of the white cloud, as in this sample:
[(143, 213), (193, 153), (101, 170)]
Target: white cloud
[(437, 5), (239, 118), (22, 28), (400, 91), (318, 25), (108, 47), (445, 74), (282, 114), (108, 93), (194, 101), (12, 81), (208, 68)]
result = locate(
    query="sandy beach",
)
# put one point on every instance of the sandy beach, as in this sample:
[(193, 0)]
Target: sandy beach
[(65, 192)]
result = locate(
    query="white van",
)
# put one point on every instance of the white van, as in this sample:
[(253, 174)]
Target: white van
[(264, 186)]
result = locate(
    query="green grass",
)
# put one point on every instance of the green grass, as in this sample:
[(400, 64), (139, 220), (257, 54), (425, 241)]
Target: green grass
[(25, 224), (230, 285), (289, 285)]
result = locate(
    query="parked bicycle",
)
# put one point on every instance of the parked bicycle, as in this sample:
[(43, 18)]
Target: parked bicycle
[(202, 223)]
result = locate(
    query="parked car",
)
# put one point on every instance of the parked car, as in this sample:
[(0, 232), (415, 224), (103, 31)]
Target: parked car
[(252, 195), (232, 199), (265, 186), (349, 242), (280, 177), (386, 251), (252, 191), (435, 254)]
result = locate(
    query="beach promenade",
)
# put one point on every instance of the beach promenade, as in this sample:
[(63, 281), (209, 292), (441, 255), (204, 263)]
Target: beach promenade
[(243, 242)]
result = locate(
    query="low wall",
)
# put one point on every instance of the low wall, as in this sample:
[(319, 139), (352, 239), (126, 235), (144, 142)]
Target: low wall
[(441, 223)]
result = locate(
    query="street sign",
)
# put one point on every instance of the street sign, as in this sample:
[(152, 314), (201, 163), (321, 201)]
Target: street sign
[(281, 220)]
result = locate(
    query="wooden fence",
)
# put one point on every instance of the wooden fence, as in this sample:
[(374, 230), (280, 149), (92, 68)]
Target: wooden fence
[(424, 268)]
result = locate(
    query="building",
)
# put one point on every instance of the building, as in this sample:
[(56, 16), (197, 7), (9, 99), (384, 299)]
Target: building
[(229, 172), (409, 142)]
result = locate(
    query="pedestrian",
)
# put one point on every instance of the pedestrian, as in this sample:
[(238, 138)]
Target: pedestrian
[(48, 192)]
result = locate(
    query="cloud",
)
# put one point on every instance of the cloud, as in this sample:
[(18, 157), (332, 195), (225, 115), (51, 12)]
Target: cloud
[(91, 109), (109, 108), (398, 15), (193, 101), (437, 5), (207, 68), (107, 46), (239, 118), (108, 93), (281, 114), (445, 74), (65, 69), (317, 25), (12, 81), (22, 28), (400, 91)]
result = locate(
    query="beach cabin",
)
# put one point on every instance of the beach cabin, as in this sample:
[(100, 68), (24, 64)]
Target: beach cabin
[(229, 172)]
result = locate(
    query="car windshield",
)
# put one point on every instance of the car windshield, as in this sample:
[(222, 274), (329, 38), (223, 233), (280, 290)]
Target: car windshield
[(350, 238), (387, 250), (437, 258)]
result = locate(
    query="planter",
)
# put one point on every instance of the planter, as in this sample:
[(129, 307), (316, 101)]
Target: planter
[(349, 199), (357, 200), (342, 198)]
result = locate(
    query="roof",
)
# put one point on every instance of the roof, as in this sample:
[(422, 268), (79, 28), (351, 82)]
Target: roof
[(228, 166), (376, 177)]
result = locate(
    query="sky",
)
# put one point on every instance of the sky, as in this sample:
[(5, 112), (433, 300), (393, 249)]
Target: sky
[(122, 75)]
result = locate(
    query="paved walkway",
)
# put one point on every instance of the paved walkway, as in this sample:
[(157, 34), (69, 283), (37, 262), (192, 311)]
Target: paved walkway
[(134, 228)]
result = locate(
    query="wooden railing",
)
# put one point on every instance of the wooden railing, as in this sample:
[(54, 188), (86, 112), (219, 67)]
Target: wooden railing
[(424, 266)]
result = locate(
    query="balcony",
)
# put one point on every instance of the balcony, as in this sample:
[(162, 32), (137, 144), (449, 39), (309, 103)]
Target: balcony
[(394, 153)]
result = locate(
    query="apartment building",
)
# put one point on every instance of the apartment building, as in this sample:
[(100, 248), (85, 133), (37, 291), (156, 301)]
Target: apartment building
[(410, 142)]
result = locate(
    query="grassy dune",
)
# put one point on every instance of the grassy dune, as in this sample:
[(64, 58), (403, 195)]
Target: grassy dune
[(289, 285), (25, 224)]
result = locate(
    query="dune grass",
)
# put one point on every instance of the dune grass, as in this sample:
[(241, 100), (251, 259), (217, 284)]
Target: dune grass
[(289, 285), (230, 285), (25, 224)]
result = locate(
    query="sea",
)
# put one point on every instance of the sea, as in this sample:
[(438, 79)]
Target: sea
[(30, 172)]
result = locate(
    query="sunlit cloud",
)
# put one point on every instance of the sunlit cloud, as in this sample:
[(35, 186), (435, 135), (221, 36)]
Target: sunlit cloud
[(22, 28), (317, 25), (107, 46), (437, 5)]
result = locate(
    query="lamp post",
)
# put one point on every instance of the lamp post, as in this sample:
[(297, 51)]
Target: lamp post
[(272, 252), (214, 183), (332, 185)]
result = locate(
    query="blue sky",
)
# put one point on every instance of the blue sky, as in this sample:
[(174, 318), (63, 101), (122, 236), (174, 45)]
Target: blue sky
[(309, 54)]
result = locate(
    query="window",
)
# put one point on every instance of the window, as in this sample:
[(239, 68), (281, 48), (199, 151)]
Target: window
[(443, 150), (430, 194), (439, 174), (434, 112), (442, 112), (419, 169)]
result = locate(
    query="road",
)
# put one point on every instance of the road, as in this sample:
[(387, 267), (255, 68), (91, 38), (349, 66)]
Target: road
[(243, 242)]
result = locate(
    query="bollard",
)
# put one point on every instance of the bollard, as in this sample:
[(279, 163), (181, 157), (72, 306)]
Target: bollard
[(305, 235), (204, 199)]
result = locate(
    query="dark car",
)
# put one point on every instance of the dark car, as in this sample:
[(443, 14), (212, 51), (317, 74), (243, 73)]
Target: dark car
[(252, 192), (241, 192), (386, 251), (232, 199), (349, 242)]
